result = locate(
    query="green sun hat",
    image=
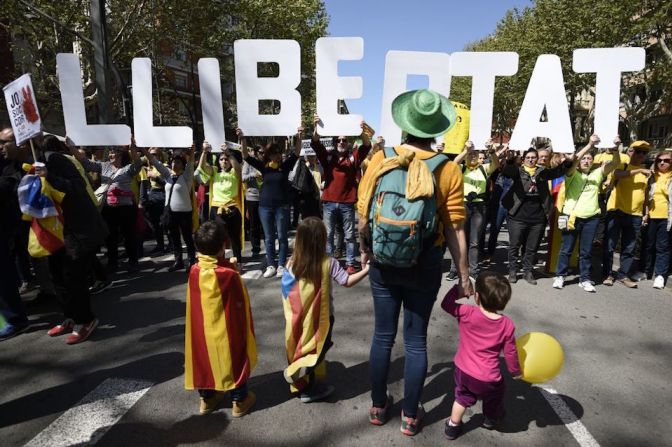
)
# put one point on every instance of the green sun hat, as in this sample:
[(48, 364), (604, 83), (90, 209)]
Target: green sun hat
[(423, 113)]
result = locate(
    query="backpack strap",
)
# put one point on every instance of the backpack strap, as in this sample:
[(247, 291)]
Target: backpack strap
[(435, 161)]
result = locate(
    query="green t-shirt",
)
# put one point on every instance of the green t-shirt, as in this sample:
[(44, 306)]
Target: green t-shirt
[(588, 205), (224, 186)]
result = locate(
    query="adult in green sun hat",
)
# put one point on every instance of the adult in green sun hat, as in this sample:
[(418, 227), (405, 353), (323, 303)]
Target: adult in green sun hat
[(423, 115)]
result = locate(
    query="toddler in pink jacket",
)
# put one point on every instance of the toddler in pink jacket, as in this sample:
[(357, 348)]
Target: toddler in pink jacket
[(484, 333)]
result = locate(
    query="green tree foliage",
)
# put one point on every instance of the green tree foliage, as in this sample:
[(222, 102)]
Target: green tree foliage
[(151, 28)]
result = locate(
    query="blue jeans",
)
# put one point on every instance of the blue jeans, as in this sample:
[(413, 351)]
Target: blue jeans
[(626, 227), (275, 221), (11, 306), (658, 248), (416, 290), (347, 213), (495, 228), (584, 230), (237, 394)]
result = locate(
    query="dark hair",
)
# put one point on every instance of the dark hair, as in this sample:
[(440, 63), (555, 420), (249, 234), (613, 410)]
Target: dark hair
[(182, 159), (125, 156), (530, 150), (52, 144), (271, 148), (418, 140), (493, 290), (210, 238)]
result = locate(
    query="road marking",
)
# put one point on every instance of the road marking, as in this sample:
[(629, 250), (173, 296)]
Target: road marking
[(88, 420), (567, 416), (251, 274)]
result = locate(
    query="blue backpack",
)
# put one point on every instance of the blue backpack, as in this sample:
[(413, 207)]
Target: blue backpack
[(400, 228)]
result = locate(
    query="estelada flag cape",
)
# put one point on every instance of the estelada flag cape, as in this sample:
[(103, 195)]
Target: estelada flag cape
[(220, 349), (40, 204), (307, 324)]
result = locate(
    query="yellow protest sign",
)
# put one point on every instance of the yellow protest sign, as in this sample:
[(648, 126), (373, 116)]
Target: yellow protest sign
[(455, 138)]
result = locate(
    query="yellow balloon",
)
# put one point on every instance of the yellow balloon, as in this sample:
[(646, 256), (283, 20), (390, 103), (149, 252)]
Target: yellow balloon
[(540, 356)]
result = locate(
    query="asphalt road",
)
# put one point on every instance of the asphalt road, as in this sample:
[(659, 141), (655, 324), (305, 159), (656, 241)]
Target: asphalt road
[(125, 386)]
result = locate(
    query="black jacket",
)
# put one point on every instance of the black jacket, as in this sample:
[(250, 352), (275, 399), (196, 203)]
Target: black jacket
[(10, 213), (84, 229), (516, 194)]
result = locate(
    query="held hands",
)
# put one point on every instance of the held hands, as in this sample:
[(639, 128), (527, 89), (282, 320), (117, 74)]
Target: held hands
[(594, 140), (465, 288)]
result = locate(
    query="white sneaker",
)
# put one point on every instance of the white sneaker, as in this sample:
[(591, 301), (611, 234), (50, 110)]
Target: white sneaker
[(270, 272), (659, 282), (558, 282), (588, 286), (280, 272)]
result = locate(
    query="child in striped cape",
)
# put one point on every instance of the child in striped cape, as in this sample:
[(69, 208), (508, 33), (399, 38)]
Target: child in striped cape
[(307, 302), (220, 349)]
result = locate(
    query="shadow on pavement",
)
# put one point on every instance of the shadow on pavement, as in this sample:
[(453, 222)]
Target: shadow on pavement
[(192, 430), (156, 369)]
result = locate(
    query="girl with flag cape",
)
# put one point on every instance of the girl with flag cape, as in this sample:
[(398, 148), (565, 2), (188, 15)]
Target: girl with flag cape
[(308, 307)]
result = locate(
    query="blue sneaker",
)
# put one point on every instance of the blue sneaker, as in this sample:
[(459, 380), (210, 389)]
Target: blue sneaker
[(12, 330)]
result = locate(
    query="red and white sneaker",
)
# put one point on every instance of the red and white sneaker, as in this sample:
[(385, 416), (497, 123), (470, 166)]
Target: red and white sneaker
[(81, 332), (61, 329)]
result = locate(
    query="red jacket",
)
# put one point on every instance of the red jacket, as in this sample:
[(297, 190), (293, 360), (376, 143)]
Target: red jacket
[(340, 172)]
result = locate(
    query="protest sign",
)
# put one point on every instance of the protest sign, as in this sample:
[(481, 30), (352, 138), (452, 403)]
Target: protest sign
[(482, 67), (22, 109), (454, 139), (211, 102), (331, 88), (328, 143), (74, 114), (545, 92), (250, 88)]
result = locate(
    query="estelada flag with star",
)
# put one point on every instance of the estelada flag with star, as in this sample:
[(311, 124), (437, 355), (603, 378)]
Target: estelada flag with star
[(220, 349)]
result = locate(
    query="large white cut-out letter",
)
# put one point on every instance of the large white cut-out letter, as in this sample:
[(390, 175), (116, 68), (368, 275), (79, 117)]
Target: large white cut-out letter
[(546, 89), (144, 131), (211, 102), (250, 88), (331, 87), (483, 67), (74, 115), (400, 64), (608, 63)]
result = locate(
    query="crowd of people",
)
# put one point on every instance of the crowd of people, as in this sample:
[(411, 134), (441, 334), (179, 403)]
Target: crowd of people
[(398, 208)]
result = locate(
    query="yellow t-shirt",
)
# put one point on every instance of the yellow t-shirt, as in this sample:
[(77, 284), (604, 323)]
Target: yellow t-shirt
[(628, 195), (449, 192), (475, 181), (661, 201), (608, 156)]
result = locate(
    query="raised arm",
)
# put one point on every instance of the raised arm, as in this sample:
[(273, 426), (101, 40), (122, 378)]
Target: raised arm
[(592, 141), (235, 164), (243, 142), (297, 141), (203, 163), (608, 167), (468, 147)]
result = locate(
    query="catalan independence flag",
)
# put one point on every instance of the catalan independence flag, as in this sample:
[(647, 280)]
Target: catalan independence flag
[(307, 325), (220, 349), (557, 187), (40, 204)]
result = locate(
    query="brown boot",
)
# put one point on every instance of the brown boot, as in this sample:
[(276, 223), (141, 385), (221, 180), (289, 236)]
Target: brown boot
[(244, 406), (210, 404)]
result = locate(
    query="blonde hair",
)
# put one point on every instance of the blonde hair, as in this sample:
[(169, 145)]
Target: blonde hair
[(309, 250)]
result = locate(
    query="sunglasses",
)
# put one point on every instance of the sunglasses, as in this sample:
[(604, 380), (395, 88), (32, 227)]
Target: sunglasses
[(664, 160), (342, 140), (640, 152)]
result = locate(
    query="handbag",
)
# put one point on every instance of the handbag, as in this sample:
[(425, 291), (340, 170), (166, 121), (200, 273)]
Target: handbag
[(101, 191), (167, 216)]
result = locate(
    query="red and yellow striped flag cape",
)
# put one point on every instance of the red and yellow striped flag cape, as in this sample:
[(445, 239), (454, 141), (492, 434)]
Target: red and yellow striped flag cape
[(220, 349), (307, 324), (40, 203)]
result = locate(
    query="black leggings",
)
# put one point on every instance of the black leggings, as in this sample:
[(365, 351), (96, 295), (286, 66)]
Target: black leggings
[(120, 219), (232, 220), (181, 223)]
